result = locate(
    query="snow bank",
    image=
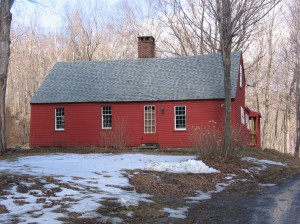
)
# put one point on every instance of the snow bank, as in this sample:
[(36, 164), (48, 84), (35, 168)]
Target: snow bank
[(190, 166)]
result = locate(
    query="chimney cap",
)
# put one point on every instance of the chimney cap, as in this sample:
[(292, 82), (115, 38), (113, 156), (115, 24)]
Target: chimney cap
[(146, 38)]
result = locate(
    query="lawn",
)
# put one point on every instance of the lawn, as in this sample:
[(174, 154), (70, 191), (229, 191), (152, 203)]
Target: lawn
[(128, 187)]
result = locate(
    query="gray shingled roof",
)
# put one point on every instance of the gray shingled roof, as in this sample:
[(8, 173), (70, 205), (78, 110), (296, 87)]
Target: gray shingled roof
[(154, 79)]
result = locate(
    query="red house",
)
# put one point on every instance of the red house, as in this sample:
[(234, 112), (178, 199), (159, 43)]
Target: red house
[(152, 100)]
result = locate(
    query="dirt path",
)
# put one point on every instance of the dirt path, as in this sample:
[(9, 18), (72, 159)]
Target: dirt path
[(277, 204)]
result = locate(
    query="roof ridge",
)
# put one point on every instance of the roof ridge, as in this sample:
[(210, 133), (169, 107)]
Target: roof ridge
[(147, 59)]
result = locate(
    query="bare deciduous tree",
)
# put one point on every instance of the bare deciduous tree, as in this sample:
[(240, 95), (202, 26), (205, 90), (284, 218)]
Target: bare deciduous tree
[(295, 51), (85, 28), (223, 26), (5, 24)]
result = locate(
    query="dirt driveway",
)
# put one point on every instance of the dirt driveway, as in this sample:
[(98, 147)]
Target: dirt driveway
[(277, 204)]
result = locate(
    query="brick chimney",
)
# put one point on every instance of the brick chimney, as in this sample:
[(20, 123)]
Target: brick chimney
[(146, 47)]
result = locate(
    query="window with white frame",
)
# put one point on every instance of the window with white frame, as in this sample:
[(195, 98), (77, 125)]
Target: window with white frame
[(241, 76), (247, 121), (149, 119), (180, 117), (242, 115), (59, 119), (106, 117)]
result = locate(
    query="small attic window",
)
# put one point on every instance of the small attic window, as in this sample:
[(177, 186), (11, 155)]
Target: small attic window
[(241, 76)]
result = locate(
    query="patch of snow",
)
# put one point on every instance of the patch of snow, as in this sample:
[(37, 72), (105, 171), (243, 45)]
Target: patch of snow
[(81, 174), (190, 166), (45, 215), (230, 176), (266, 185), (207, 195), (66, 192), (129, 214), (36, 192), (246, 171), (220, 187), (242, 180), (113, 220), (27, 184), (127, 201), (263, 161), (178, 213), (272, 162), (200, 196), (51, 186)]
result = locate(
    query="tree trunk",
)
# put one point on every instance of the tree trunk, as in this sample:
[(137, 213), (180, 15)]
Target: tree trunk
[(265, 137), (5, 23), (276, 131), (297, 93), (226, 42), (296, 152)]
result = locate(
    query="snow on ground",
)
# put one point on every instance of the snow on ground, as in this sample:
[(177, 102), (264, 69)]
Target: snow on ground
[(263, 161), (178, 213), (200, 196), (83, 182), (190, 166), (266, 185)]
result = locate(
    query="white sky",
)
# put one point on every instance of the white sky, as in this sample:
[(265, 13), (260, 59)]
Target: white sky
[(48, 10)]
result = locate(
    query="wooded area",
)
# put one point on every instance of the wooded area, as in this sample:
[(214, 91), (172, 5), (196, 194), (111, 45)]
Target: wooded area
[(93, 30)]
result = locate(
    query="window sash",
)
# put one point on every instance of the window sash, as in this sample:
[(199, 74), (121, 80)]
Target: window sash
[(59, 119), (241, 76), (248, 122), (242, 116), (106, 117), (149, 119), (180, 117)]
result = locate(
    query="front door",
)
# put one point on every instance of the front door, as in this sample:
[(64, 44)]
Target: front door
[(253, 131), (150, 130)]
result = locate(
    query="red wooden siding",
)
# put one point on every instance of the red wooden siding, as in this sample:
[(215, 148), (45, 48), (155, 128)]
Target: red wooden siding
[(83, 122), (239, 102)]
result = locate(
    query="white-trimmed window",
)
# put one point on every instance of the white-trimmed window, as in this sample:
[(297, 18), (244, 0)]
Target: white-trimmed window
[(242, 115), (248, 121), (59, 119), (149, 119), (106, 117), (241, 76), (180, 117)]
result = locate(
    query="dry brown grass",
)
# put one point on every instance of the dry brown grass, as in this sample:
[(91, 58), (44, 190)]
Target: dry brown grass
[(174, 185)]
